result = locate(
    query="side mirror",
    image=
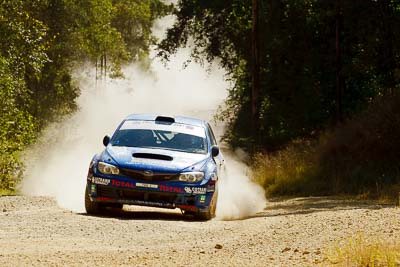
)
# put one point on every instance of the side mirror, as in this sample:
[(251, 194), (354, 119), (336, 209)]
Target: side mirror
[(106, 140), (214, 151)]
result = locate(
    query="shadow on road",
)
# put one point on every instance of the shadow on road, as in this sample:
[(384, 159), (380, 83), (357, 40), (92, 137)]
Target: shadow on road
[(308, 205), (127, 214), (275, 208)]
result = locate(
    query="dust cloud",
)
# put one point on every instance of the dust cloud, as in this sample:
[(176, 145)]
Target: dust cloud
[(57, 165), (238, 197)]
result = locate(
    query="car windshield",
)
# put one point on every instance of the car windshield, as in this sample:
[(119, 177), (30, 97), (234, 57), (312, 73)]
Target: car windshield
[(151, 134)]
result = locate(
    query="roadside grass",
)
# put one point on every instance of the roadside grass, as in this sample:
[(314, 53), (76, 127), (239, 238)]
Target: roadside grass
[(361, 252), (7, 192), (360, 157), (291, 171)]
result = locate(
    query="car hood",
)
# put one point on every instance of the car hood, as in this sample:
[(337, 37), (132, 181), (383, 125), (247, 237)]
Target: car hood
[(157, 160)]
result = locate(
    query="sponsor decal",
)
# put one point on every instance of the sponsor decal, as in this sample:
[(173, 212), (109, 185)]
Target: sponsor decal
[(102, 181), (202, 199), (122, 184), (199, 190), (93, 188), (172, 189), (146, 185), (188, 190), (196, 190)]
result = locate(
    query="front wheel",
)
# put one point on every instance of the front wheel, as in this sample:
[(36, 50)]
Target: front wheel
[(208, 215), (91, 207)]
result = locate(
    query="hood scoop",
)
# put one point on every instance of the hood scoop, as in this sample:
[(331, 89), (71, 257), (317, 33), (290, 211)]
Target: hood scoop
[(152, 156)]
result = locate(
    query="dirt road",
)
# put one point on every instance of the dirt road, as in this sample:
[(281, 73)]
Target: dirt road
[(297, 232)]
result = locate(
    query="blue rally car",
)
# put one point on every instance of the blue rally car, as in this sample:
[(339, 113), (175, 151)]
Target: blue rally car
[(157, 161)]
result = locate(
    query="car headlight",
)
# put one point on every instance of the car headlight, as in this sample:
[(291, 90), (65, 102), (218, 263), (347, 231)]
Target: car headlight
[(107, 168), (191, 176)]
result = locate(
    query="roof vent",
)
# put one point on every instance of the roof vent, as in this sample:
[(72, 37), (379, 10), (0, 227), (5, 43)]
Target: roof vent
[(165, 119)]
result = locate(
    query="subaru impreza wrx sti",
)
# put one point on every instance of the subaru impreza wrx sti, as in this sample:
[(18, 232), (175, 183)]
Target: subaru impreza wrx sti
[(157, 161)]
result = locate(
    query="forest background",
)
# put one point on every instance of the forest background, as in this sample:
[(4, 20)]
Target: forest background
[(314, 97)]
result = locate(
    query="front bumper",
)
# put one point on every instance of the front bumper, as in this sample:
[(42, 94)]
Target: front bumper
[(142, 193)]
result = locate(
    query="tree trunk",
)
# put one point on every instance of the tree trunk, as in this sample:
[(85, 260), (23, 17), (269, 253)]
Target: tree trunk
[(339, 84), (255, 90), (389, 62), (105, 66)]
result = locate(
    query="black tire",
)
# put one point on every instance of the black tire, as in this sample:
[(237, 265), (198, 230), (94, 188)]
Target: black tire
[(208, 215), (91, 206)]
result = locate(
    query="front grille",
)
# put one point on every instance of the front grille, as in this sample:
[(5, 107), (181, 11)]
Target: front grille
[(145, 197), (133, 195), (106, 191), (140, 175)]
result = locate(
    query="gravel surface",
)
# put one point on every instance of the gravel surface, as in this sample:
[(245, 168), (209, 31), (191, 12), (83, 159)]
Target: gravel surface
[(296, 232)]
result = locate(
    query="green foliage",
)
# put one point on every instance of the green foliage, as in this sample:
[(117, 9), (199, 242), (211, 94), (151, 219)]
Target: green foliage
[(217, 28), (15, 124), (134, 20), (297, 60), (22, 54), (42, 41), (23, 43), (94, 34), (17, 127), (298, 94)]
